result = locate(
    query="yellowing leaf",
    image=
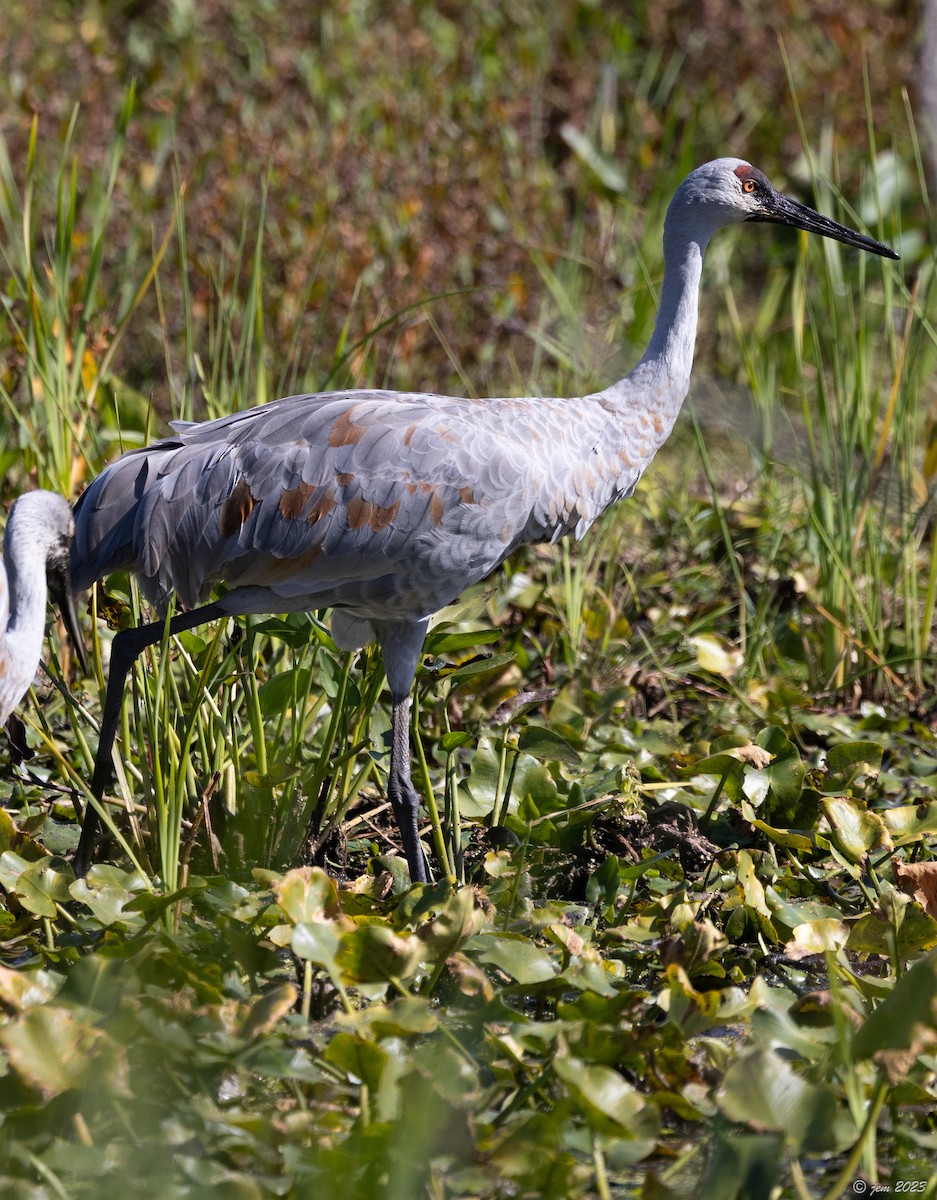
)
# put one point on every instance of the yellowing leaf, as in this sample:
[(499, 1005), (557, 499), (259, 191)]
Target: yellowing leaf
[(375, 954), (715, 656), (911, 822), (266, 1012), (51, 1048), (89, 369), (816, 937), (20, 990), (854, 829), (307, 894)]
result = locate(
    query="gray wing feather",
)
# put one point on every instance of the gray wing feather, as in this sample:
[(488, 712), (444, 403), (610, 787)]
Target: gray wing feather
[(355, 499)]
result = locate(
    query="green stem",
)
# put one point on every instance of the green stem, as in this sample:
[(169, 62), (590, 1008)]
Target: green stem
[(439, 840), (849, 1169)]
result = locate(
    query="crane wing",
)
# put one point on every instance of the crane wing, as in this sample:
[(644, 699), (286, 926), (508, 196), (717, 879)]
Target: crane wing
[(361, 499)]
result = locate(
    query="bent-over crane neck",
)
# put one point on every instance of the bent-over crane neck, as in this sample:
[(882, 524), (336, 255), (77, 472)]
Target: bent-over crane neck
[(26, 583)]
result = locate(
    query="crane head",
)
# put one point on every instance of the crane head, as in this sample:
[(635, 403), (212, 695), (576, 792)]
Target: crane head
[(728, 191), (773, 206)]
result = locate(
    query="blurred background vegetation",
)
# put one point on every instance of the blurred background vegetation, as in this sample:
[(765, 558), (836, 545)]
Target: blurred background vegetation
[(410, 150)]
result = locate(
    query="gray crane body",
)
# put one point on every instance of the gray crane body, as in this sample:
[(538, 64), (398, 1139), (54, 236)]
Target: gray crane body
[(385, 506)]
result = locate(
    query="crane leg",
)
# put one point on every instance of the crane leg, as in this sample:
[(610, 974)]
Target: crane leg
[(127, 646), (401, 792), (401, 643)]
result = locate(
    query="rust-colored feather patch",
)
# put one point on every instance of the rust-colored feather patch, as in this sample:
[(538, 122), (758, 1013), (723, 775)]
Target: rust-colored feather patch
[(363, 512), (236, 509), (344, 432), (359, 512), (293, 500), (383, 515), (322, 506), (282, 569)]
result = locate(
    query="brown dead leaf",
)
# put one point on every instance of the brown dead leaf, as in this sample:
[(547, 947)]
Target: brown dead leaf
[(754, 756), (897, 1063), (919, 881), (469, 978)]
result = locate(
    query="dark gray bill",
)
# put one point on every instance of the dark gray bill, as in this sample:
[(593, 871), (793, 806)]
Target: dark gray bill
[(782, 210), (63, 598)]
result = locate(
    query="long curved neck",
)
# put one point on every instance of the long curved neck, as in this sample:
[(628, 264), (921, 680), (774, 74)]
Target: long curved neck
[(27, 590), (669, 354), (647, 401)]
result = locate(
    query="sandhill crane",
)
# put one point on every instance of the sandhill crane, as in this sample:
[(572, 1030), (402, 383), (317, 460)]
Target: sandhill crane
[(385, 506), (35, 563)]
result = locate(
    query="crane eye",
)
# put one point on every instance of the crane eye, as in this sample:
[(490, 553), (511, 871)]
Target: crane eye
[(749, 185)]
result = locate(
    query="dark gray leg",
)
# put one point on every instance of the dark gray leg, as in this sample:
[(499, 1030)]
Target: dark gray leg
[(401, 643), (127, 646), (401, 792)]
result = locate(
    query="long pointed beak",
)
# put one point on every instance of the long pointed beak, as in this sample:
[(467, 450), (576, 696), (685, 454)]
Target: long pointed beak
[(60, 589), (782, 210)]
